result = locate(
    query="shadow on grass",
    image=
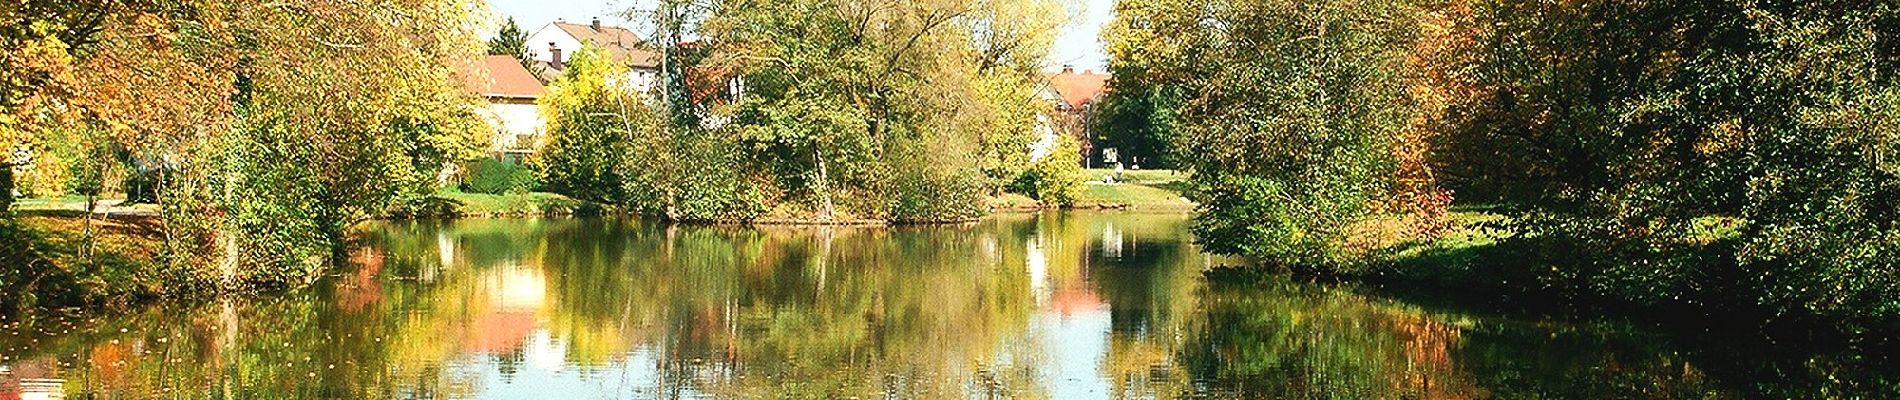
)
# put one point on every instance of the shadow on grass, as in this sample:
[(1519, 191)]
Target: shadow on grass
[(1545, 280), (46, 263)]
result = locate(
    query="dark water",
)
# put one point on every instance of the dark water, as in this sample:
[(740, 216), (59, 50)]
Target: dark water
[(1066, 306)]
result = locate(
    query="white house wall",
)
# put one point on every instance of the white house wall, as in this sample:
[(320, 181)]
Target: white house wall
[(1045, 138), (512, 121), (640, 80), (538, 43)]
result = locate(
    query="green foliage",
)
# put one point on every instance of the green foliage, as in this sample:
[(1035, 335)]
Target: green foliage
[(512, 41), (6, 189), (1291, 141), (1056, 179), (491, 176), (509, 41), (277, 204), (1611, 131), (86, 173), (1620, 125), (1138, 120), (608, 144), (451, 204), (900, 111), (717, 188), (925, 192), (1012, 112), (589, 138), (288, 198)]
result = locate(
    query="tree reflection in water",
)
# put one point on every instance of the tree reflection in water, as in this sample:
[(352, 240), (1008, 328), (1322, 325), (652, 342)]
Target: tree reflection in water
[(1022, 306)]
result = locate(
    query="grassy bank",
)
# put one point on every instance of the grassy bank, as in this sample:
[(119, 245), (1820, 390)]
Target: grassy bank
[(1690, 283), (450, 204), (1104, 189), (53, 259), (1145, 190), (50, 257)]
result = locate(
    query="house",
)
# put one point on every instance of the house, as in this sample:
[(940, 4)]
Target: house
[(1073, 92), (563, 39), (511, 92), (1072, 98)]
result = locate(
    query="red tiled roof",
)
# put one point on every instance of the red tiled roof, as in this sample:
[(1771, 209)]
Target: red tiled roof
[(1079, 89), (507, 78), (619, 42)]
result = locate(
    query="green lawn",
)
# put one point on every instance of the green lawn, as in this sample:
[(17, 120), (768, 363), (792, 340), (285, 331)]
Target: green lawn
[(48, 203), (1139, 196), (58, 259), (458, 204), (1146, 176)]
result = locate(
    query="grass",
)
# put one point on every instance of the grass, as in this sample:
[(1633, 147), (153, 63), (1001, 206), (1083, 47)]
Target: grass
[(1013, 202), (48, 203), (451, 204), (50, 265), (1142, 176), (1132, 196), (1153, 190)]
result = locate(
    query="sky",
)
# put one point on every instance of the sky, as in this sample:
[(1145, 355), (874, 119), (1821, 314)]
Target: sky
[(1079, 44)]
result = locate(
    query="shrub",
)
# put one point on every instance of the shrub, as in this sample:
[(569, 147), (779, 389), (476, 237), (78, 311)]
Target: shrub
[(490, 176), (715, 190), (927, 195), (1055, 179)]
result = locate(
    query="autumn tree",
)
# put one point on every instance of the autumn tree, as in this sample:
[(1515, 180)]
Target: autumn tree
[(863, 108), (271, 127), (1624, 128), (1012, 41), (40, 39), (1290, 109)]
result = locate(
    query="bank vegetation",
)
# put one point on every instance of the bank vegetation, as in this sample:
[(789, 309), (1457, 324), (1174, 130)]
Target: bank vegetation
[(1716, 160)]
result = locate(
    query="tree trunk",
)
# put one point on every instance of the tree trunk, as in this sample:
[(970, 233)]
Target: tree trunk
[(6, 188), (824, 184), (92, 203)]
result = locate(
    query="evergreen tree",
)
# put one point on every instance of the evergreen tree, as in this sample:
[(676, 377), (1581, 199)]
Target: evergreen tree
[(512, 41)]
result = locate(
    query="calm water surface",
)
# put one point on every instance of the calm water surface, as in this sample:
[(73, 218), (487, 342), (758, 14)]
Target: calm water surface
[(1065, 306)]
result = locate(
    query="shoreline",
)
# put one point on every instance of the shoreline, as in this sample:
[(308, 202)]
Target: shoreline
[(1468, 271)]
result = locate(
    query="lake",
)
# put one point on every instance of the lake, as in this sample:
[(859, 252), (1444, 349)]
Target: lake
[(1058, 305)]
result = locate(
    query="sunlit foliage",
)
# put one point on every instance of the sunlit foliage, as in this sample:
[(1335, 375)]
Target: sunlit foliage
[(267, 127), (1628, 126), (901, 110), (1291, 112)]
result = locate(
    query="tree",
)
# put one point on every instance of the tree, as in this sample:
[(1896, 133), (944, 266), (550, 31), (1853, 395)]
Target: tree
[(1291, 111), (272, 126), (1622, 126), (512, 41), (41, 38), (1138, 120), (590, 139), (848, 100)]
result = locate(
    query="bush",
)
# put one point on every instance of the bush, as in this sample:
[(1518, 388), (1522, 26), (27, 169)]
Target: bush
[(490, 176), (715, 190), (1056, 179), (927, 195)]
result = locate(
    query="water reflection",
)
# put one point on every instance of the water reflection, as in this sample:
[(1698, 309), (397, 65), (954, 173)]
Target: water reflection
[(1054, 306)]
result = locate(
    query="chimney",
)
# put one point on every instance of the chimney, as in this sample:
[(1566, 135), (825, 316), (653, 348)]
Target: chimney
[(554, 57), (596, 24), (1068, 69)]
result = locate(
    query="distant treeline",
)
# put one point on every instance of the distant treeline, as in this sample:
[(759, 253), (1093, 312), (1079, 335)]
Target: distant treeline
[(903, 111), (265, 130)]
